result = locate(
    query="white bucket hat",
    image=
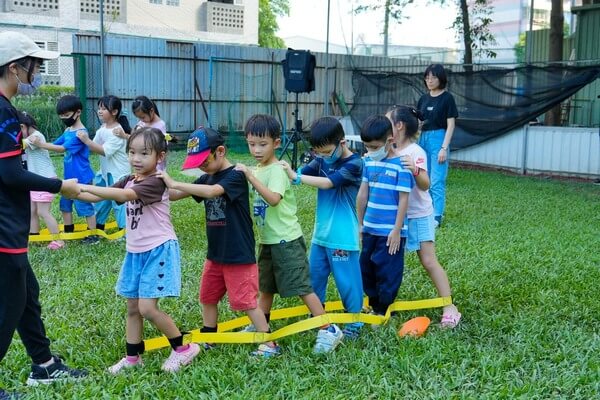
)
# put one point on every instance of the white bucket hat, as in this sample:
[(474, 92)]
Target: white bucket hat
[(15, 45)]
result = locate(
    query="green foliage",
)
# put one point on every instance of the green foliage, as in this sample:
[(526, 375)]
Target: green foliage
[(521, 255), (42, 106), (479, 14), (268, 10)]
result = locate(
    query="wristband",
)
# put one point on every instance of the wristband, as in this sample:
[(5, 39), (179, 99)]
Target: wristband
[(444, 148), (298, 179)]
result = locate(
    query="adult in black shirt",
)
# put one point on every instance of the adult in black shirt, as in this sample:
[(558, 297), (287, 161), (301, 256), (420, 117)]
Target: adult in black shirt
[(439, 112), (20, 60)]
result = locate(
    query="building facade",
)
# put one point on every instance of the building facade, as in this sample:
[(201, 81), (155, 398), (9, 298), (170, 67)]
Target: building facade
[(51, 23)]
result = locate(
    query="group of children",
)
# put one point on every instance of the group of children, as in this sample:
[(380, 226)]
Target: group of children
[(381, 201), (109, 142), (368, 211)]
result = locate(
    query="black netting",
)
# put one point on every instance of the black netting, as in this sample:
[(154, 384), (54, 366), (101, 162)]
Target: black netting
[(490, 102)]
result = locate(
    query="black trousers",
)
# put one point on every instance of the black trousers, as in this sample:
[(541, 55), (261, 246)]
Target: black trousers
[(20, 308)]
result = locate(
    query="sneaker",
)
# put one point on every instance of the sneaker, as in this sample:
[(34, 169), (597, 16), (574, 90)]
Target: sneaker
[(352, 331), (177, 360), (92, 239), (4, 395), (56, 371), (267, 351), (328, 339), (56, 245), (124, 363), (208, 346), (249, 328)]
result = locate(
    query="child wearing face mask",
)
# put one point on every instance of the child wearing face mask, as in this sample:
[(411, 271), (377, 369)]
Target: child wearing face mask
[(336, 172), (76, 163), (381, 205)]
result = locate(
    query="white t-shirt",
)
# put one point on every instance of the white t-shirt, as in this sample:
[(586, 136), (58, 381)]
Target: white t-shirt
[(38, 159), (115, 160), (419, 201)]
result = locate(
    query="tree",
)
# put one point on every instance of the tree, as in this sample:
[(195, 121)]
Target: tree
[(268, 11)]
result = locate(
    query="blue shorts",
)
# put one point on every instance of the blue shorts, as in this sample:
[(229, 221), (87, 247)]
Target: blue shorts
[(152, 274), (420, 230), (83, 208)]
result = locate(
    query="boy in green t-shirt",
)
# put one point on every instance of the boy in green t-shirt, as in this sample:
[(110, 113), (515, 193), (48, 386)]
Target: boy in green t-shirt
[(282, 262)]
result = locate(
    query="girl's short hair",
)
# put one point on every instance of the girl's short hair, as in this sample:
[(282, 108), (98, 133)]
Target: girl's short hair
[(263, 125), (112, 103), (376, 127), (439, 72), (145, 105), (409, 116), (325, 131), (27, 119), (153, 139)]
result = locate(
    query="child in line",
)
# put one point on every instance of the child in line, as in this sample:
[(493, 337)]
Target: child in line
[(39, 162), (151, 269), (335, 247), (381, 205), (114, 164), (147, 113), (76, 162), (421, 223), (230, 266), (283, 267)]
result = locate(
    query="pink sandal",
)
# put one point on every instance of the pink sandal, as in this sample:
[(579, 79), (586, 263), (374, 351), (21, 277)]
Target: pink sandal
[(55, 245), (451, 319)]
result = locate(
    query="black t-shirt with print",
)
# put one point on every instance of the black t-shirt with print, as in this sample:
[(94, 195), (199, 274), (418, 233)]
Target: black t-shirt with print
[(228, 222), (15, 184), (437, 110)]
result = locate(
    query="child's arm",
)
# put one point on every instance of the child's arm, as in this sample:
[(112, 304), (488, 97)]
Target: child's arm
[(361, 202), (180, 190), (393, 240), (267, 194), (319, 182), (85, 139), (36, 141), (420, 175), (109, 193)]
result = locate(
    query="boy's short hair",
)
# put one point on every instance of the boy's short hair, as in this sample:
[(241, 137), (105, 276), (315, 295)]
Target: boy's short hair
[(68, 103), (376, 127), (326, 130), (263, 125), (201, 143)]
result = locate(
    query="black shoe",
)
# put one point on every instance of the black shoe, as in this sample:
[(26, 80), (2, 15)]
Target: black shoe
[(53, 373), (4, 395), (92, 239)]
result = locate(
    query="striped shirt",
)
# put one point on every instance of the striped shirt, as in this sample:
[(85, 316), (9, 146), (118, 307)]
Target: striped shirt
[(386, 179)]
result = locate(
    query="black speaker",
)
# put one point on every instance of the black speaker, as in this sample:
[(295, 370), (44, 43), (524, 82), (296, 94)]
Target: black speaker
[(299, 71)]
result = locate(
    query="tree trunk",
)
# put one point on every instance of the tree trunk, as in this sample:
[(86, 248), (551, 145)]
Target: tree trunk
[(555, 52), (467, 41), (386, 27)]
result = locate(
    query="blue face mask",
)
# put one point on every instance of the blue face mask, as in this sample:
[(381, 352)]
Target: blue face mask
[(29, 88), (379, 154), (331, 159)]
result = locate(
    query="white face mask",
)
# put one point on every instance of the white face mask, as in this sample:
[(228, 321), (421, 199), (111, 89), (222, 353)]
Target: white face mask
[(29, 88), (379, 154)]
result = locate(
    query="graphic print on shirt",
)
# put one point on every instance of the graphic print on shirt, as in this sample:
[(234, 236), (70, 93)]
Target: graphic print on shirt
[(260, 209), (135, 209), (339, 255), (16, 135), (215, 211)]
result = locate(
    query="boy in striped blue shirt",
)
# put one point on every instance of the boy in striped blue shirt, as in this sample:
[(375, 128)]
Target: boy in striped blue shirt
[(381, 206)]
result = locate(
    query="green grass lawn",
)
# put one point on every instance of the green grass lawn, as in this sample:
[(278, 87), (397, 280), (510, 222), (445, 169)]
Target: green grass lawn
[(523, 259)]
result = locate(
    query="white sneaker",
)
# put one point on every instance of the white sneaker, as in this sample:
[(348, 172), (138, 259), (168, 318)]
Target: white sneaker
[(124, 364), (177, 360), (249, 328), (328, 339)]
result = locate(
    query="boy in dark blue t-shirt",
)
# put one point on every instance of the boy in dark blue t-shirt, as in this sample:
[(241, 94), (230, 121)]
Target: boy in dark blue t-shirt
[(76, 162)]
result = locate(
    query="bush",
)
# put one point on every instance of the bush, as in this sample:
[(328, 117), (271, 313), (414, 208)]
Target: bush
[(42, 106)]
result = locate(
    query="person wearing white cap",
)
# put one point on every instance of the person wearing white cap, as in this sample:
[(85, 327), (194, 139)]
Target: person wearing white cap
[(20, 61)]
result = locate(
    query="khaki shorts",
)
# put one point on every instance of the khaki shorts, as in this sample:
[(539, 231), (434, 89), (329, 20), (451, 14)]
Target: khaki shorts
[(283, 269)]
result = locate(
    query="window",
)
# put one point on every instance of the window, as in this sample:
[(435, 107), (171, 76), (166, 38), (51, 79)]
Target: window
[(173, 3), (156, 1), (49, 67)]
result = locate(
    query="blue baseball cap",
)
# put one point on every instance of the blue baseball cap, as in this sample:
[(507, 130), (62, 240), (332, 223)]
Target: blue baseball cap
[(200, 143)]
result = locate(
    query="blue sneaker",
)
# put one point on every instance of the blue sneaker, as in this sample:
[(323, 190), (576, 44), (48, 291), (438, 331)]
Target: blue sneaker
[(54, 372), (352, 331), (328, 339), (267, 351)]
